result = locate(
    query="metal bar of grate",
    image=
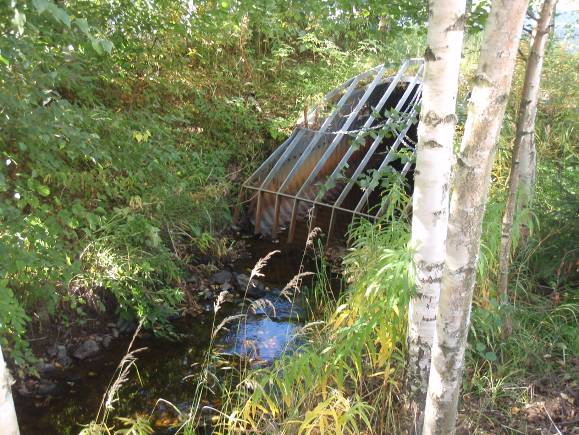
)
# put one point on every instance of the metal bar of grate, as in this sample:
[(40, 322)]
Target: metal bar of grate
[(391, 87), (322, 129), (267, 162), (274, 157), (311, 201), (314, 141), (311, 116), (291, 146), (393, 149)]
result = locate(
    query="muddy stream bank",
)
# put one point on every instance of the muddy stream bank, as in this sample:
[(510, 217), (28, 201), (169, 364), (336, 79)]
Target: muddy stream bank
[(68, 397)]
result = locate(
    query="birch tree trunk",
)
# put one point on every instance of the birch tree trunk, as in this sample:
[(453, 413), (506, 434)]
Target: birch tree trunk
[(431, 187), (522, 176), (469, 195), (8, 422)]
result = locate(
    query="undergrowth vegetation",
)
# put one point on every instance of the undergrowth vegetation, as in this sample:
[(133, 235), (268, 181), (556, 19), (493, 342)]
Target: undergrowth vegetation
[(349, 366), (124, 126)]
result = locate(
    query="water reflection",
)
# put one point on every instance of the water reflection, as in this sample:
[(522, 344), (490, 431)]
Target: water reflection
[(265, 333)]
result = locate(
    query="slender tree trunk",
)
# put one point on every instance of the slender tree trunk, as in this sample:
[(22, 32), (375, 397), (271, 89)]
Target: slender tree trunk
[(552, 27), (431, 187), (469, 196), (522, 176), (528, 162), (8, 422)]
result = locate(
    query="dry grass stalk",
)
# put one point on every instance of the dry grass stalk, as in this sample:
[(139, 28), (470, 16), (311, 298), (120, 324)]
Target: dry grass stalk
[(256, 271), (261, 304), (122, 375), (225, 322), (219, 301), (311, 236), (294, 284)]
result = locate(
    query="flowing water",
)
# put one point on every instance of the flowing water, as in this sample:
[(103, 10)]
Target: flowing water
[(166, 369)]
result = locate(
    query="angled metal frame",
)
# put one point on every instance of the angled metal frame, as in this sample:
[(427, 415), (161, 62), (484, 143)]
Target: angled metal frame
[(291, 155), (370, 152), (394, 148), (314, 141)]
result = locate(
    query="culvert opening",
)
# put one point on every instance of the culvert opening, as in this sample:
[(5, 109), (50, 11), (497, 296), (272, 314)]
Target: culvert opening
[(333, 166)]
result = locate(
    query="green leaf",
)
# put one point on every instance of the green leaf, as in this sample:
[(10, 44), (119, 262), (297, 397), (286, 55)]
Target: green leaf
[(78, 209), (96, 45), (107, 45), (82, 24), (480, 347), (93, 220), (73, 223), (61, 15), (43, 190)]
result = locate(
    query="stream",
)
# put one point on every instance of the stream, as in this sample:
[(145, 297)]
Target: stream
[(166, 368)]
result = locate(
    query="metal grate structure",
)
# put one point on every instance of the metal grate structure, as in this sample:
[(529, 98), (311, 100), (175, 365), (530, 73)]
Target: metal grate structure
[(360, 126)]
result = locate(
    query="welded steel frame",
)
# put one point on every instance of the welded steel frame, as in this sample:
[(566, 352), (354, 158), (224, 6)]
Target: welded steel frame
[(258, 181)]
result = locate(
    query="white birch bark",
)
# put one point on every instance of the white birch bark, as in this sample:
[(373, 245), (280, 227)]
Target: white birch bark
[(528, 162), (469, 195), (431, 187), (522, 176), (8, 422)]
